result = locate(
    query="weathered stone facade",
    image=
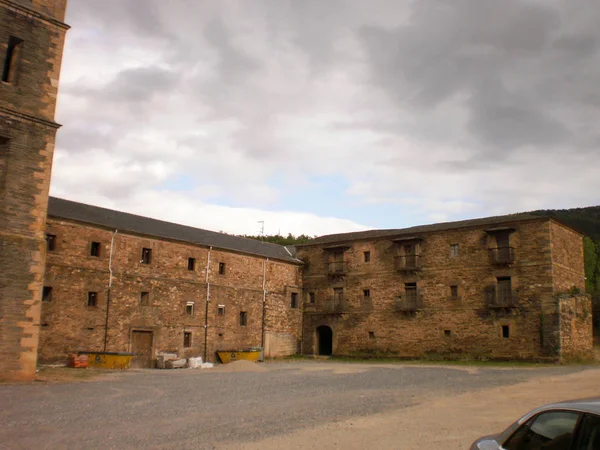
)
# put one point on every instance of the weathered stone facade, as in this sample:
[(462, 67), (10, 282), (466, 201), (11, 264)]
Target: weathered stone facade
[(476, 289), (181, 298), (32, 34), (576, 331)]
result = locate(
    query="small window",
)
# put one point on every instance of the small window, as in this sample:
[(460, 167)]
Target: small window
[(95, 249), (454, 250), (371, 335), (47, 294), (221, 311), (187, 339), (191, 263), (189, 308), (366, 293), (12, 59), (294, 302), (45, 324), (448, 333), (221, 268), (311, 298), (454, 292), (146, 256), (145, 298), (367, 256), (243, 318), (92, 299), (50, 242), (505, 331)]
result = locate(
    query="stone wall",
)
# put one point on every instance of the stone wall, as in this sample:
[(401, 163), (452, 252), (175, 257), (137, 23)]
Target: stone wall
[(567, 258), (27, 133), (576, 332), (235, 284), (445, 326)]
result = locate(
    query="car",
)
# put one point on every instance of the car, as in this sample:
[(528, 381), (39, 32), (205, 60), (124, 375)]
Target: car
[(569, 425)]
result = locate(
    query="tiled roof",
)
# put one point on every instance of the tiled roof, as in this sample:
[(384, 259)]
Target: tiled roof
[(66, 209), (412, 231)]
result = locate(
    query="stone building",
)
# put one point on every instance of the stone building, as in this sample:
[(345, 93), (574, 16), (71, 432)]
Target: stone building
[(32, 33), (123, 283), (504, 287)]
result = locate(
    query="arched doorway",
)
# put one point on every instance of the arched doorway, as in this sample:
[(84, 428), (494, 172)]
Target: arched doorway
[(325, 340)]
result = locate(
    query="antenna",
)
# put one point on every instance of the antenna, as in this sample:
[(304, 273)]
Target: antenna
[(262, 228)]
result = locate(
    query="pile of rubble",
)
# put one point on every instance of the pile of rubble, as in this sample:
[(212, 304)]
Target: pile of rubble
[(173, 361)]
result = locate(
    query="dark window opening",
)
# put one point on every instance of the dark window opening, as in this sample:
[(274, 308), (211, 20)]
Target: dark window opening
[(371, 335), (95, 249), (294, 302), (504, 290), (45, 324), (243, 318), (12, 59), (90, 328), (505, 331), (447, 333), (92, 299), (221, 268), (47, 294), (145, 298), (189, 308), (220, 334), (187, 339), (411, 291), (366, 293), (311, 298), (146, 255), (454, 292), (191, 263), (50, 242), (367, 256), (221, 311)]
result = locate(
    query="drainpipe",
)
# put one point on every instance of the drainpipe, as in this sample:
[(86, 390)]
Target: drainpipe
[(110, 278), (206, 307), (264, 286)]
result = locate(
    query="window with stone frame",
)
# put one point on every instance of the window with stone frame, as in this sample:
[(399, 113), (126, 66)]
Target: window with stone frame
[(47, 294), (95, 249), (454, 292), (367, 256), (243, 318), (294, 300), (12, 60), (221, 311), (92, 301), (145, 298), (191, 263), (189, 308), (50, 242), (311, 298), (454, 250), (146, 255), (187, 339)]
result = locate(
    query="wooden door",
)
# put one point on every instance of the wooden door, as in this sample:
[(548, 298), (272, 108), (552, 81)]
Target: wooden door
[(141, 347)]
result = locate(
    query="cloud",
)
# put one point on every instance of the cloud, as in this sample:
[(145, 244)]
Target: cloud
[(414, 111)]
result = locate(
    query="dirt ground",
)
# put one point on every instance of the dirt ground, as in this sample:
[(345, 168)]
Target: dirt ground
[(296, 405)]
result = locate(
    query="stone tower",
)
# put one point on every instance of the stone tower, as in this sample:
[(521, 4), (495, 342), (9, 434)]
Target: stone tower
[(32, 34)]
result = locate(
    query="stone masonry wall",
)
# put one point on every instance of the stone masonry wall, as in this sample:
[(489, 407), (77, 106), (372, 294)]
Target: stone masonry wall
[(70, 325), (445, 326), (576, 332), (27, 133), (567, 258)]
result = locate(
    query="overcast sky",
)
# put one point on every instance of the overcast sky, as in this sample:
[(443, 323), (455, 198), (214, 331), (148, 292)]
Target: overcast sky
[(329, 116)]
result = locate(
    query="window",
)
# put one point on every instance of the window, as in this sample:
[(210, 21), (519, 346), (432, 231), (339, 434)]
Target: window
[(92, 299), (504, 290), (221, 311), (95, 249), (47, 294), (367, 256), (12, 60), (454, 292), (371, 335), (366, 293), (505, 331), (243, 318), (294, 302), (589, 434), (311, 298), (145, 298), (189, 308), (552, 429), (453, 250), (50, 242), (191, 263), (146, 255), (187, 339), (447, 333), (221, 268), (411, 291)]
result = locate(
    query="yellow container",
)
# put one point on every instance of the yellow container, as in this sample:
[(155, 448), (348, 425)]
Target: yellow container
[(108, 360), (227, 356)]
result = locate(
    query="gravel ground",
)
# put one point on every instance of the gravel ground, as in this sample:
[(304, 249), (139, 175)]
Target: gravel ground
[(216, 408)]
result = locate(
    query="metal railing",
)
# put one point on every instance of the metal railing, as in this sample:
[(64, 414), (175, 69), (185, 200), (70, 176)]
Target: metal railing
[(503, 255), (335, 304), (409, 302), (337, 267), (407, 262), (499, 298)]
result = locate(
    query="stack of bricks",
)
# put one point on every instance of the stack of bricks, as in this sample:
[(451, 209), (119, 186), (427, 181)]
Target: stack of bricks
[(78, 361)]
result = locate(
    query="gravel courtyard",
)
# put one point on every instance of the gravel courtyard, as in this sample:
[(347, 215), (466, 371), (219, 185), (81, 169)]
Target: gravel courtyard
[(302, 404)]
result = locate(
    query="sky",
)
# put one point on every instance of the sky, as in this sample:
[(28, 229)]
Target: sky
[(319, 117)]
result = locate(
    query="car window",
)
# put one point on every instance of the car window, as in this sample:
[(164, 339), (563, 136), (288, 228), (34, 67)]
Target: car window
[(547, 431), (589, 434)]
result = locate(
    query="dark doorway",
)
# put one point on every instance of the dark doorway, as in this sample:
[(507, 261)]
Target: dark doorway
[(141, 347), (325, 340)]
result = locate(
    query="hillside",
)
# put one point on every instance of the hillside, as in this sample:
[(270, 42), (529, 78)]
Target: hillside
[(584, 220)]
